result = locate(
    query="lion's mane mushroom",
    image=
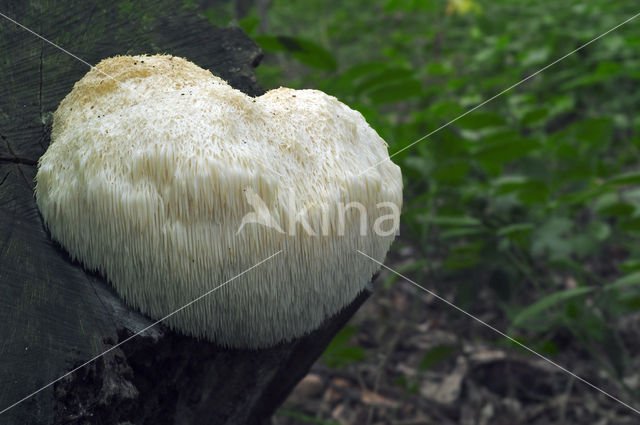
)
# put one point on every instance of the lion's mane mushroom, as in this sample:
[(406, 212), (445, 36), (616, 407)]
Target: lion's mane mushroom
[(148, 176)]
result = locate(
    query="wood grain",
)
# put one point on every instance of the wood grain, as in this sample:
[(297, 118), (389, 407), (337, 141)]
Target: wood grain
[(54, 315)]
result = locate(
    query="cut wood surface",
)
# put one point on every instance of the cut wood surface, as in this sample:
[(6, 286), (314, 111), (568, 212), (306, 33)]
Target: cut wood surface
[(54, 315)]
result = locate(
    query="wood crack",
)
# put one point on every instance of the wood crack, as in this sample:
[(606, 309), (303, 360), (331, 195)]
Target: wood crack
[(9, 226), (18, 160), (15, 158), (4, 178), (42, 120), (40, 91)]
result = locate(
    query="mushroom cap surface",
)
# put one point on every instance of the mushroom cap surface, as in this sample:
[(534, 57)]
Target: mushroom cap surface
[(170, 183)]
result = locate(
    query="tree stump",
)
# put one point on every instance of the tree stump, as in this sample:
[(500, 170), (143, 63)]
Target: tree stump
[(54, 315)]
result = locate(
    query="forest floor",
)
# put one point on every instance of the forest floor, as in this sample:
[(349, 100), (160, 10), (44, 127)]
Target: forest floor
[(469, 376)]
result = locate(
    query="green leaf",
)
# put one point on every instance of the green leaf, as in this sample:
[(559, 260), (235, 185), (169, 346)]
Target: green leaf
[(606, 71), (480, 119), (249, 24), (403, 269), (505, 151), (306, 51), (342, 337), (514, 228), (438, 69), (533, 192), (529, 191), (595, 132), (464, 256), (452, 172), (459, 232), (270, 43), (435, 356), (442, 220), (551, 238), (625, 178), (535, 56), (344, 83), (580, 197), (621, 209), (631, 279), (338, 353), (536, 116), (631, 265), (629, 302), (211, 14), (383, 77), (445, 110), (396, 91), (304, 418), (536, 309), (509, 181), (630, 225), (600, 230)]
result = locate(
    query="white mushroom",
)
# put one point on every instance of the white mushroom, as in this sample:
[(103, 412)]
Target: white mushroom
[(170, 182)]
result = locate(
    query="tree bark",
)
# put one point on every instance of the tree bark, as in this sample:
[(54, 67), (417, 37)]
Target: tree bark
[(54, 315)]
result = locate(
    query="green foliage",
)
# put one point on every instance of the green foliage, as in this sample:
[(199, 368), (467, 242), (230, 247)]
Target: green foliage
[(340, 353), (304, 418), (306, 51), (535, 195), (537, 310), (436, 355), (413, 266), (628, 280)]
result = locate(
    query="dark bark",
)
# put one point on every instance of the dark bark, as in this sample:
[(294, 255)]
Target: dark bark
[(54, 315)]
